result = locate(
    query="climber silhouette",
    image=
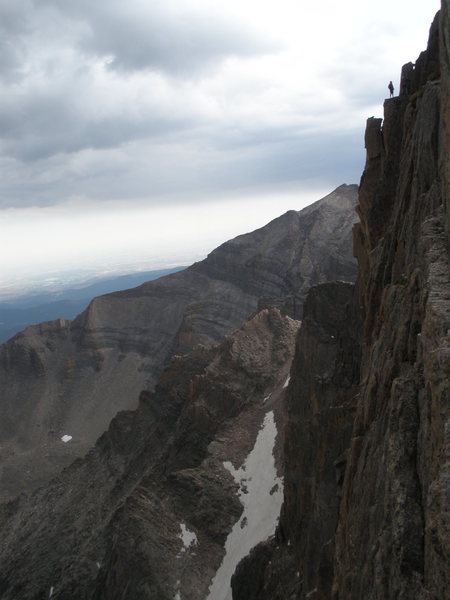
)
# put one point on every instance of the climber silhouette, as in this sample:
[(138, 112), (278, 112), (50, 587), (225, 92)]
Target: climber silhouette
[(391, 89)]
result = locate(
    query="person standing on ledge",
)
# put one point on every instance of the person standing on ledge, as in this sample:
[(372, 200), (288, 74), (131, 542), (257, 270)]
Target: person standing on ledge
[(391, 89)]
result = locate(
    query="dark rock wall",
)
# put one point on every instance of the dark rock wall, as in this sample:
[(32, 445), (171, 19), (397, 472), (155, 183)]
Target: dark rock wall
[(378, 526), (444, 167), (321, 402), (392, 540)]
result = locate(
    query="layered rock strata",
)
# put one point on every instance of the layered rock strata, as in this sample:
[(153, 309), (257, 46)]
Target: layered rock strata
[(146, 513), (380, 527), (71, 378)]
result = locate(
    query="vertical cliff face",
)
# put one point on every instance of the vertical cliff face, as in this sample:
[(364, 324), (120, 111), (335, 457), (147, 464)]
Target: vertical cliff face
[(367, 485), (444, 48), (392, 537), (321, 402)]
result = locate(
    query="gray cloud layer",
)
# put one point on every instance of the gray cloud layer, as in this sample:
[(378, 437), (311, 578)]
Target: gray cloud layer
[(158, 36), (41, 108), (132, 100)]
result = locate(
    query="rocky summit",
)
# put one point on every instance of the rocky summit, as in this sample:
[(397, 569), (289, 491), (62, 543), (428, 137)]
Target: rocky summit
[(63, 378)]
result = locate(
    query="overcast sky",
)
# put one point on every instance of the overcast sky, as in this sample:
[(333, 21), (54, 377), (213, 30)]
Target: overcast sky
[(148, 131)]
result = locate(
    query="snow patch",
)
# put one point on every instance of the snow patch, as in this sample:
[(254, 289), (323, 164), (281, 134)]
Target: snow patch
[(261, 493), (51, 592), (187, 537), (177, 591), (267, 398), (66, 438), (286, 383)]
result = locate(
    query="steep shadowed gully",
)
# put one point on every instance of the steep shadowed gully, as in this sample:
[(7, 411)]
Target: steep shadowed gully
[(65, 378), (367, 472)]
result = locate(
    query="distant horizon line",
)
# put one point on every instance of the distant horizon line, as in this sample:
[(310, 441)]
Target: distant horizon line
[(185, 237)]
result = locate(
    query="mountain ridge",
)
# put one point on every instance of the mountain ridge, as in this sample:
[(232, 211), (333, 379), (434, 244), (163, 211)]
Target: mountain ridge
[(66, 303), (157, 473), (72, 377)]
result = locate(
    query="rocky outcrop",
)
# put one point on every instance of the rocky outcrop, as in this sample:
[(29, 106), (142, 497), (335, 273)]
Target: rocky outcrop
[(321, 402), (444, 166), (395, 507), (71, 378), (146, 513), (378, 528)]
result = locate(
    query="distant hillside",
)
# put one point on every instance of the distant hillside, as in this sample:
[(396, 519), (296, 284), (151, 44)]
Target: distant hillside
[(30, 309), (72, 377)]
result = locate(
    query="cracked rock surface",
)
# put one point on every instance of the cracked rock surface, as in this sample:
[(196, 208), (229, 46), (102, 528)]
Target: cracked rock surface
[(380, 528)]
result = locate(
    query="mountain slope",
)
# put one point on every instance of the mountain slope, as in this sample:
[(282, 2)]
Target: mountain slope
[(64, 302), (70, 378), (146, 513)]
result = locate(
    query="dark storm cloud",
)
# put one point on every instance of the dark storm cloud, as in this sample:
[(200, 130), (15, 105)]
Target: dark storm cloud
[(105, 100), (197, 172), (45, 46), (36, 127), (9, 60), (285, 157), (13, 26), (161, 36)]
